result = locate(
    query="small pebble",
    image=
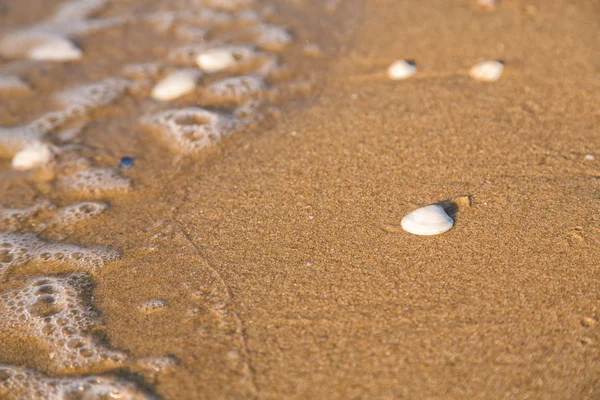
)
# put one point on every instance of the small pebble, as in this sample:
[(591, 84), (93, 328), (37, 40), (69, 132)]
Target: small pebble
[(426, 221), (589, 157), (401, 69), (32, 156), (126, 162), (57, 49), (487, 71), (176, 84)]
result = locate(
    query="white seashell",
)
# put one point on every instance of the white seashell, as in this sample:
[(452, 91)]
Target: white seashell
[(176, 84), (56, 49), (488, 3), (216, 60), (429, 220), (401, 69), (9, 83), (487, 71), (32, 156)]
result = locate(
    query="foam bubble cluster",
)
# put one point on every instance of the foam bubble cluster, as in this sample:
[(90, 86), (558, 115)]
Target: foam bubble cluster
[(87, 97), (18, 383), (191, 129), (57, 311), (95, 181), (235, 90), (14, 218), (78, 212), (17, 249)]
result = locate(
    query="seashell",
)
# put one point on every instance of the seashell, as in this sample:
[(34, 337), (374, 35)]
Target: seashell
[(176, 84), (426, 221), (222, 58), (32, 156), (56, 49), (401, 69), (487, 71), (490, 4), (15, 84)]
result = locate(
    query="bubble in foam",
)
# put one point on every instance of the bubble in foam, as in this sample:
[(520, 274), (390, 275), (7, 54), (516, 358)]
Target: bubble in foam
[(87, 97), (139, 71), (17, 249), (234, 90), (95, 181), (17, 383), (57, 312), (191, 129), (272, 37), (78, 212), (15, 138), (14, 218)]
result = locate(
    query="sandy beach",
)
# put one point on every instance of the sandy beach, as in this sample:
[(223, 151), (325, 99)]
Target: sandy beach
[(272, 264)]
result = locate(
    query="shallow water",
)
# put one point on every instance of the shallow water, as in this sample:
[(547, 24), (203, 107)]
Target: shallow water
[(91, 113)]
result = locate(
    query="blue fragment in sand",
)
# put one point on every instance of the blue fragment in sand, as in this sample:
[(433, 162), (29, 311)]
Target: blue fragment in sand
[(126, 162)]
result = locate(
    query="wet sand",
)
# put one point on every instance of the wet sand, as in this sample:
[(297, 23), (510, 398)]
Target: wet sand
[(279, 252)]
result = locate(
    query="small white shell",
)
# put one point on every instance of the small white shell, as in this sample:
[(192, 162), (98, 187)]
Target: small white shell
[(401, 69), (33, 156), (429, 220), (222, 58), (9, 83), (176, 84), (56, 49), (487, 71)]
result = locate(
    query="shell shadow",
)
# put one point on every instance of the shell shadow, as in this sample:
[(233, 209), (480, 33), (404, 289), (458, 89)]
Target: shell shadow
[(453, 206)]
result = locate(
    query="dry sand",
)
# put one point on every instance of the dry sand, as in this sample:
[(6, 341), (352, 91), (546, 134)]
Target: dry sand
[(280, 252)]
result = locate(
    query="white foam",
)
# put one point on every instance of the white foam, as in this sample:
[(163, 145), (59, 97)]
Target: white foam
[(95, 181), (17, 249), (79, 212), (18, 383), (56, 310), (272, 37), (191, 129), (13, 218), (77, 10), (234, 90), (84, 98)]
